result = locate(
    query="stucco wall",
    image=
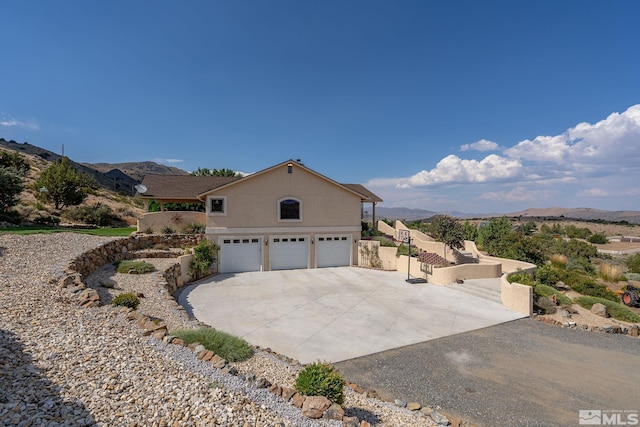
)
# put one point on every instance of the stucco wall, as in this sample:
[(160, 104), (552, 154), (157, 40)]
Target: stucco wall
[(177, 220), (253, 203), (448, 275), (516, 297), (385, 228), (510, 265)]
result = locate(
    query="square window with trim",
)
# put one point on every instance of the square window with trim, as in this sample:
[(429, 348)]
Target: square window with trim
[(217, 205)]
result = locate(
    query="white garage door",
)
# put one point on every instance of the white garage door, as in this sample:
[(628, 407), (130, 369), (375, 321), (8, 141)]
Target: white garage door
[(333, 251), (287, 253), (240, 254)]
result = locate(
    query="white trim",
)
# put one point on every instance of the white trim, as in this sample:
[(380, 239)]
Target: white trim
[(224, 206), (285, 230), (282, 199)]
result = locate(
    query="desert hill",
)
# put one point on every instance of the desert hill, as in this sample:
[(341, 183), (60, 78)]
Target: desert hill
[(136, 170)]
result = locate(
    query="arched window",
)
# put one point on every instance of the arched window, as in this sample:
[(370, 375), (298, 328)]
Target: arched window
[(289, 209)]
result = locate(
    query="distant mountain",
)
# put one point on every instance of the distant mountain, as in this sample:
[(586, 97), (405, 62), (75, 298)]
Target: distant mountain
[(121, 177), (402, 213), (137, 170)]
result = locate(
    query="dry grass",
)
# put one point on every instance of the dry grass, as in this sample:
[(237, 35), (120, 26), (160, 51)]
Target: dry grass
[(559, 261), (609, 272)]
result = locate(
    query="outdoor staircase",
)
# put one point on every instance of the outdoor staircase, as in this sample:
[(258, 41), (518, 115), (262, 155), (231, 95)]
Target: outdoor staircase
[(488, 289)]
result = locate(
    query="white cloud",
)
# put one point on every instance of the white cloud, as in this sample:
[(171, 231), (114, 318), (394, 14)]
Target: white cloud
[(596, 148), (453, 169), (517, 194), (159, 160), (9, 121), (482, 145)]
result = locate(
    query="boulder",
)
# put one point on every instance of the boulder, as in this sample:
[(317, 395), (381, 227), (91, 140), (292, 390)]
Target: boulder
[(350, 422), (315, 406), (413, 406), (634, 330), (287, 393), (335, 412), (599, 310), (297, 400)]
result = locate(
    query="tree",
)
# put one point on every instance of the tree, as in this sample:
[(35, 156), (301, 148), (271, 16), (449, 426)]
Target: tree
[(470, 231), (493, 236), (62, 185), (449, 231), (14, 160), (216, 172), (11, 185)]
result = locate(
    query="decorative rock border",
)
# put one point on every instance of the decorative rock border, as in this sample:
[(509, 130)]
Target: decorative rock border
[(633, 330)]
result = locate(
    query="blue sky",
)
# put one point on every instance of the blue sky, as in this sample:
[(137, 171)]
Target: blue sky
[(472, 106)]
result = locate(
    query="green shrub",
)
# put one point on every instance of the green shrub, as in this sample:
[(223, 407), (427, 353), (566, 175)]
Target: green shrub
[(47, 220), (148, 230), (168, 230), (598, 239), (592, 288), (321, 379), (541, 290), (633, 276), (385, 241), (615, 309), (134, 267), (545, 305), (521, 277), (98, 214), (633, 263), (194, 228), (128, 299), (203, 256), (227, 346), (547, 275)]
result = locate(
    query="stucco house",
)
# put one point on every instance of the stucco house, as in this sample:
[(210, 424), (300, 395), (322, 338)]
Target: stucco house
[(284, 217)]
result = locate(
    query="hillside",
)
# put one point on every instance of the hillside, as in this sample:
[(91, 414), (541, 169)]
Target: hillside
[(120, 177), (137, 170)]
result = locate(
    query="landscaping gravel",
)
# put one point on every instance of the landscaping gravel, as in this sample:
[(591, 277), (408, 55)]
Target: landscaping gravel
[(61, 364)]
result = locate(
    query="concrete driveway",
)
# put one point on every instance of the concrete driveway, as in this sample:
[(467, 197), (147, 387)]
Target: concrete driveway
[(335, 314)]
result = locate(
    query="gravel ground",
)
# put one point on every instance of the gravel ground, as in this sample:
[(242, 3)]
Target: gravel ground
[(65, 365), (521, 373)]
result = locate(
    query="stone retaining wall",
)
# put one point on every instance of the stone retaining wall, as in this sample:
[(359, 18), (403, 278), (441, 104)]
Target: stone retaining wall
[(121, 249)]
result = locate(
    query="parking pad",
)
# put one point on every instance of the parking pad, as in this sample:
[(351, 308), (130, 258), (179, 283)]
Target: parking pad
[(335, 314)]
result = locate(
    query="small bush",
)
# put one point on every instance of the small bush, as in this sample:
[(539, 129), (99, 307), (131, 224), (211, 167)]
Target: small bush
[(547, 275), (615, 309), (545, 305), (633, 276), (609, 272), (592, 288), (135, 267), (321, 379), (194, 228), (98, 214), (128, 299), (168, 230), (559, 261), (203, 256), (546, 291), (521, 277), (598, 239), (227, 346), (148, 230), (50, 221), (108, 284), (633, 263), (385, 241)]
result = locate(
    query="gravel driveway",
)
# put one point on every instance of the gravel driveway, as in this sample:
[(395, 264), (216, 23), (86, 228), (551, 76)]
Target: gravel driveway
[(522, 373)]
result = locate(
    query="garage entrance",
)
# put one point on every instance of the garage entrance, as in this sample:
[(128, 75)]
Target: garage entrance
[(239, 255), (333, 251), (289, 252)]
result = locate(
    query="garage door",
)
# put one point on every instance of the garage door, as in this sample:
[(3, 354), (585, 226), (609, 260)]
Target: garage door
[(242, 254), (287, 253), (333, 251)]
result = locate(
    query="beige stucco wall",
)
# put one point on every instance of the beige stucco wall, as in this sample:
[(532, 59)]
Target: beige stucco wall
[(448, 275), (177, 220), (510, 265), (385, 228), (516, 297), (253, 202)]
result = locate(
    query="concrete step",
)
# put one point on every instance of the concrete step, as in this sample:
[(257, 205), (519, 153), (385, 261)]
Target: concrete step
[(489, 290)]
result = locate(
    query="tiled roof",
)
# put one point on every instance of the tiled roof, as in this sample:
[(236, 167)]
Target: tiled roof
[(182, 187), (364, 191), (431, 258)]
